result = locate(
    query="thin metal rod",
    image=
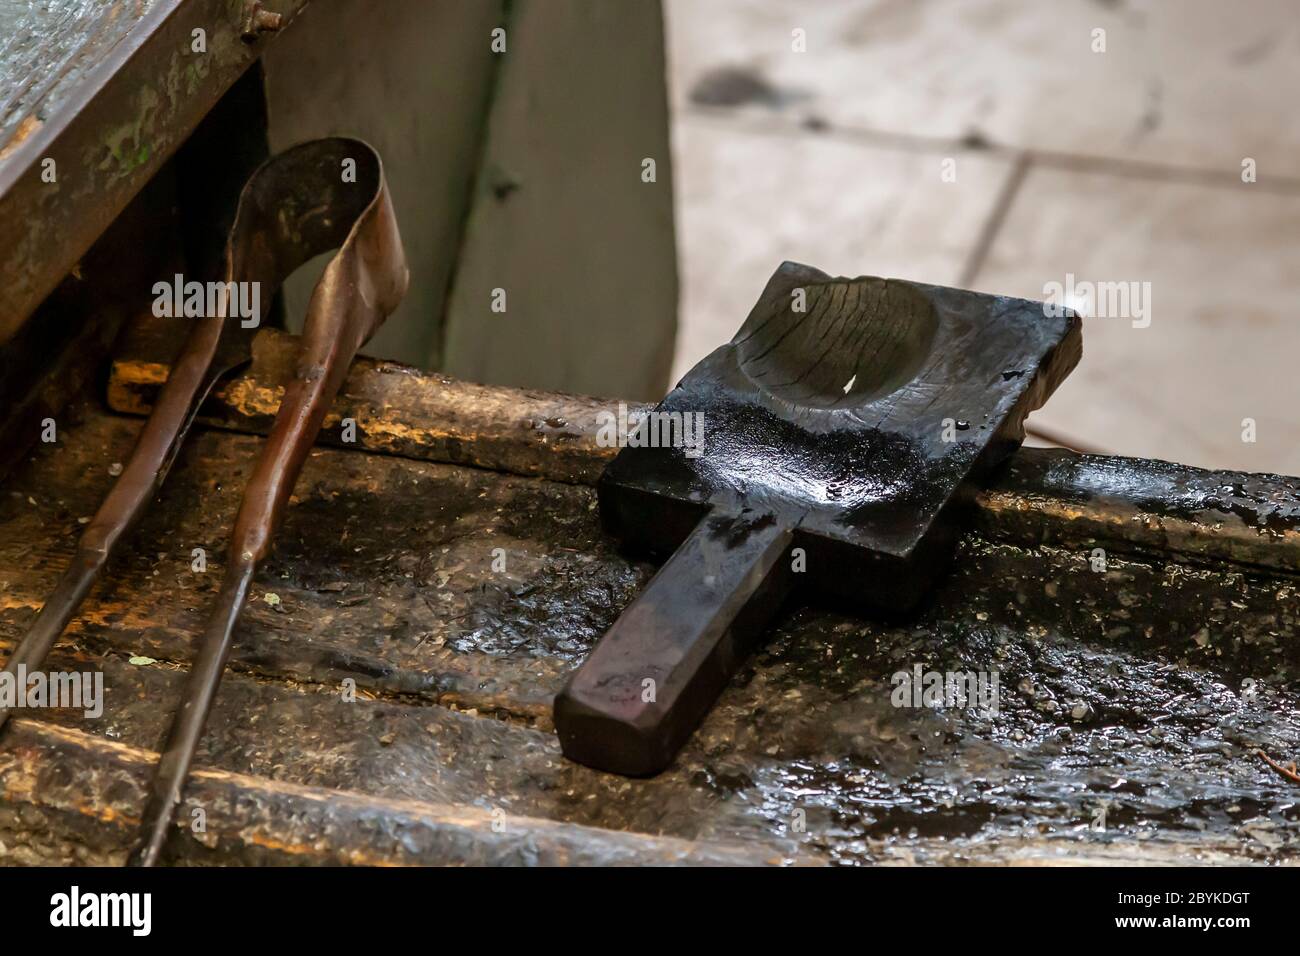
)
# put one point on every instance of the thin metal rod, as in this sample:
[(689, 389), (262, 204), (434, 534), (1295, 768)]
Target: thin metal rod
[(187, 726), (1053, 437), (213, 348), (54, 615)]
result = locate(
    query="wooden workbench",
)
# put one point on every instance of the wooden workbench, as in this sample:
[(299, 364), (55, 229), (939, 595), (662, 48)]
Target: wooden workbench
[(1120, 689)]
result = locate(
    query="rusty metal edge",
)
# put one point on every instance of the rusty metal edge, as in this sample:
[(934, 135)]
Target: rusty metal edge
[(46, 228)]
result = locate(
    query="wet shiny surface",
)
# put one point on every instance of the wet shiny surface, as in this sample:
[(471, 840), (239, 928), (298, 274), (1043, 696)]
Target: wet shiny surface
[(456, 664), (847, 419), (859, 477), (47, 46)]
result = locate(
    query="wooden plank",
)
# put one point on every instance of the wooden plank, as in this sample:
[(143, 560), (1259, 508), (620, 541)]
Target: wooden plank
[(398, 410), (1152, 507), (420, 98), (47, 50), (562, 220), (127, 90), (84, 790), (328, 625), (1057, 497)]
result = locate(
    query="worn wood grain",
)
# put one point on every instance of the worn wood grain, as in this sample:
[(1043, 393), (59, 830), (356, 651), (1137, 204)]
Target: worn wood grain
[(72, 783), (383, 576), (562, 220), (48, 48), (397, 409)]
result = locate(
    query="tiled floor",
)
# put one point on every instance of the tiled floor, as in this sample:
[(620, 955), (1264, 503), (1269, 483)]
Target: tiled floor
[(1115, 166)]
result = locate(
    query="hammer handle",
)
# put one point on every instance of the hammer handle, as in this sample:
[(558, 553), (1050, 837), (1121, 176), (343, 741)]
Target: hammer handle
[(654, 675)]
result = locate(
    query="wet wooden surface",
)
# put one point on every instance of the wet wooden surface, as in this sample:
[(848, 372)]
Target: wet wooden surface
[(1142, 689)]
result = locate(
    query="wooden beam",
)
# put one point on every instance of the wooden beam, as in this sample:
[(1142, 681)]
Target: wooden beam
[(89, 791), (110, 114), (1042, 496)]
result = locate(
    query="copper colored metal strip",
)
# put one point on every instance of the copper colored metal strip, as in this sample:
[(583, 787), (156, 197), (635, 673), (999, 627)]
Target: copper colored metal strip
[(297, 205)]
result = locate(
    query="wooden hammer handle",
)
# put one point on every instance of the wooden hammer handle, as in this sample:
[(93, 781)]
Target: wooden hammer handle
[(655, 674)]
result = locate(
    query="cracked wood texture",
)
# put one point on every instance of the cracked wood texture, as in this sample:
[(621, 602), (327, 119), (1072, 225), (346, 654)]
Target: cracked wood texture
[(1124, 688)]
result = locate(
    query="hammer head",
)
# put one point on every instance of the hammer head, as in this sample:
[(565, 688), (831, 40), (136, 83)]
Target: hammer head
[(856, 411)]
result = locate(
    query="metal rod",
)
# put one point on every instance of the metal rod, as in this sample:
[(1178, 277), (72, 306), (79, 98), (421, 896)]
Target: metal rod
[(53, 617), (214, 348), (187, 726), (1061, 440)]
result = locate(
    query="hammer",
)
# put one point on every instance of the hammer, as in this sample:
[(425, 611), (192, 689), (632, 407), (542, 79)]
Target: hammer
[(843, 428)]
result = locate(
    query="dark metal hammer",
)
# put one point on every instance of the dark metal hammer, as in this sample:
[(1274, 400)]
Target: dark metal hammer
[(842, 428)]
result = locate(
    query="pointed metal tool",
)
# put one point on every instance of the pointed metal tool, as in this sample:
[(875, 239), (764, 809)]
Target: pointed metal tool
[(299, 204)]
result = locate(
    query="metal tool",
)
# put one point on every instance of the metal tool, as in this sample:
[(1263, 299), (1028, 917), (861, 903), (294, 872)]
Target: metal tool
[(215, 348), (319, 196), (842, 427)]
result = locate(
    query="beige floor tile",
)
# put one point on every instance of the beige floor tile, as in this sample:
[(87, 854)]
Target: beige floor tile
[(1223, 341), (747, 201), (1196, 83)]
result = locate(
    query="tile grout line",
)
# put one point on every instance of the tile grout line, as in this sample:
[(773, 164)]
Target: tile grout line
[(993, 222), (979, 254), (909, 142), (1021, 159)]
